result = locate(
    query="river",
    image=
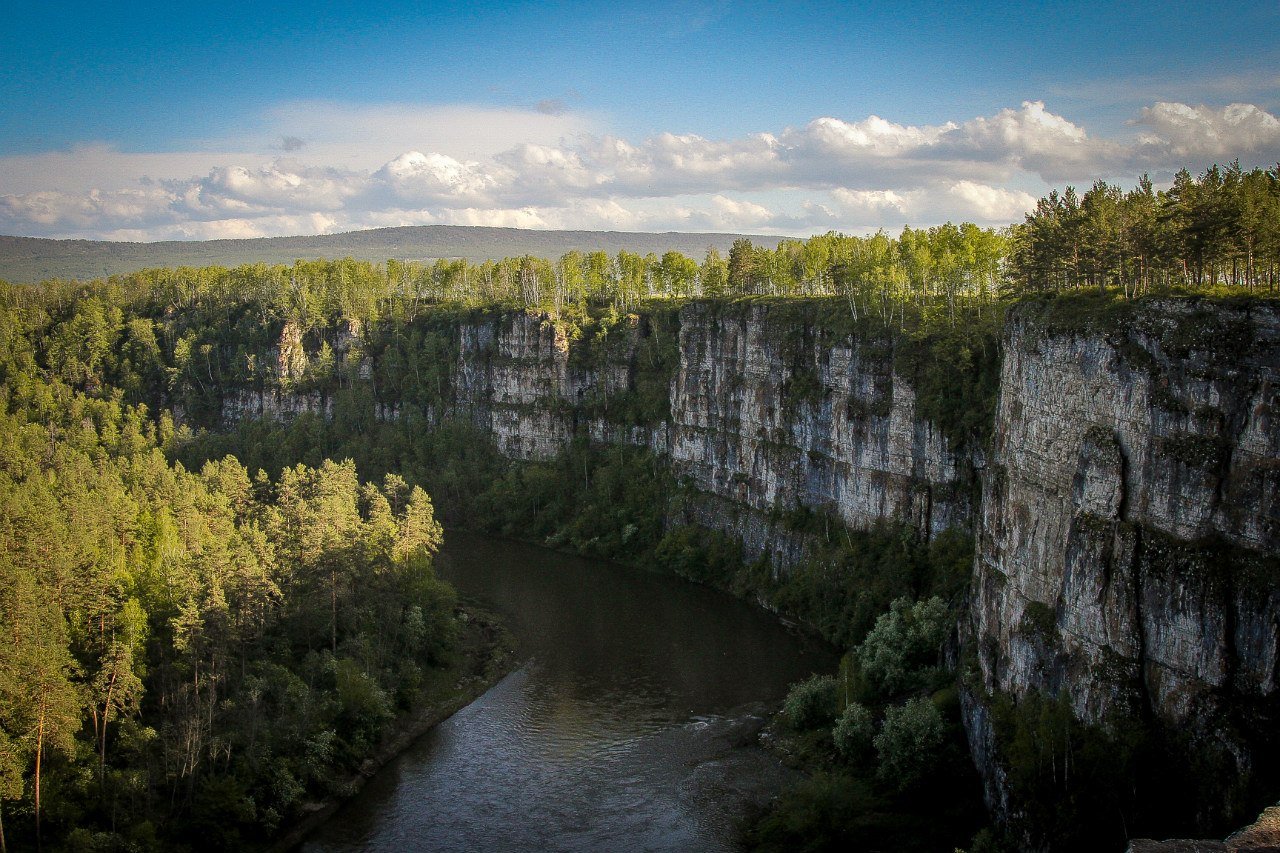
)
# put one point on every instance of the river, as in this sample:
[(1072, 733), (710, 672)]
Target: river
[(630, 725)]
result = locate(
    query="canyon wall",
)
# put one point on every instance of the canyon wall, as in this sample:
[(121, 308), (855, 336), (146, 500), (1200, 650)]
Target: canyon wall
[(1129, 512), (1129, 527), (757, 415)]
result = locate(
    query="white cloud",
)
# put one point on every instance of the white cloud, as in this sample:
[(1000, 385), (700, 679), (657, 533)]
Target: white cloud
[(873, 135), (281, 185), (101, 167), (873, 203), (1235, 130), (364, 136), (353, 167), (419, 178), (991, 204)]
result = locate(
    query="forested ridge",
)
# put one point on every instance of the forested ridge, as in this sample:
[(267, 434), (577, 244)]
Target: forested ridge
[(1219, 229), (31, 259), (195, 647)]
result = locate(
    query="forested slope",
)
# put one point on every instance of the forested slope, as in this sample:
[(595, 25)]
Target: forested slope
[(188, 656), (30, 259)]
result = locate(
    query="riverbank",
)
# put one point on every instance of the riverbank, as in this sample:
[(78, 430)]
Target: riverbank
[(485, 654)]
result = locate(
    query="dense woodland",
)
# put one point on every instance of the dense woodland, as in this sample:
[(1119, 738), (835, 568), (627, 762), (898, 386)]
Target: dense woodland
[(1218, 230), (188, 656), (198, 642), (1222, 229)]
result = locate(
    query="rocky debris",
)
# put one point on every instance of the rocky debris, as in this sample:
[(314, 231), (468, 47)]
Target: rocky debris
[(1146, 845), (1262, 836)]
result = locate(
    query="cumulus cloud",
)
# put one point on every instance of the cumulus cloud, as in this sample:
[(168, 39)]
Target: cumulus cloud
[(1236, 130), (872, 136), (873, 205), (990, 204), (279, 186), (440, 165), (419, 178)]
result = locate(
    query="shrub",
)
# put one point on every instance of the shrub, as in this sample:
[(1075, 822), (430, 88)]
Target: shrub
[(812, 704), (908, 742), (365, 706), (853, 732), (904, 640)]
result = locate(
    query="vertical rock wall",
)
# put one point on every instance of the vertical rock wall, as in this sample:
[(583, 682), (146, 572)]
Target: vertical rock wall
[(1129, 523), (765, 415)]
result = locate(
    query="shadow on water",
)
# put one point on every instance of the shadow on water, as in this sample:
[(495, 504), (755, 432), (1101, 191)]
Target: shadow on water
[(630, 726)]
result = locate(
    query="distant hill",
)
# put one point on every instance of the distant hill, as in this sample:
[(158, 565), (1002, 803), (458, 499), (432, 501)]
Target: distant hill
[(30, 259)]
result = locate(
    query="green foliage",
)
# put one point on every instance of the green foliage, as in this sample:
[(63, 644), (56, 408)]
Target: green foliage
[(1039, 622), (185, 647), (909, 741), (1220, 230), (845, 586), (824, 812), (649, 345), (905, 641), (847, 804), (599, 503), (955, 371), (1196, 451), (920, 765), (227, 642), (853, 732), (1092, 786), (698, 554), (812, 704)]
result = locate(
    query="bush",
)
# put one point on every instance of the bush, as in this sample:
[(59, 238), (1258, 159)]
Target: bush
[(908, 742), (365, 706), (812, 704), (853, 732), (904, 641)]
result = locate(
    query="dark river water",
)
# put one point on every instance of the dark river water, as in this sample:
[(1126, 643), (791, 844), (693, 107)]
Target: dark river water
[(629, 726)]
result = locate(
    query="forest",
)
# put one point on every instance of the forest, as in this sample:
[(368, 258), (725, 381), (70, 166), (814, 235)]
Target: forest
[(206, 627), (189, 656)]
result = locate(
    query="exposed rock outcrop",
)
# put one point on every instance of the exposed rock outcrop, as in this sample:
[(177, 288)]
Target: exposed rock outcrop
[(1261, 836), (762, 416), (769, 416), (1129, 521)]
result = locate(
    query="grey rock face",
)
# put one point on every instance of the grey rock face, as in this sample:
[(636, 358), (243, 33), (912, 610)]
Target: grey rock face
[(741, 429), (514, 380), (825, 424), (1133, 497), (1129, 506)]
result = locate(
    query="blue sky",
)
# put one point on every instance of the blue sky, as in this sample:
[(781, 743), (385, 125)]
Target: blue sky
[(144, 121)]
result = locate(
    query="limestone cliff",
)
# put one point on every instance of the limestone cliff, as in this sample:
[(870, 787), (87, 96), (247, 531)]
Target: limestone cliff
[(1129, 523), (760, 415), (766, 416)]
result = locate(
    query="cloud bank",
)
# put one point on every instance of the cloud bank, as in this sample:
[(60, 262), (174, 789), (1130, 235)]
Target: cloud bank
[(324, 167)]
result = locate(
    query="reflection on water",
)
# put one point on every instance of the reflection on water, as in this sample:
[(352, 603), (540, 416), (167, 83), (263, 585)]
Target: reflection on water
[(628, 728)]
